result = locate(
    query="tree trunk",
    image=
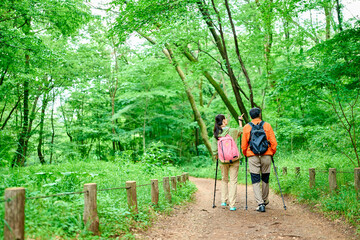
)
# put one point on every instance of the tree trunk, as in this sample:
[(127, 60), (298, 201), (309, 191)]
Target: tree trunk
[(200, 93), (196, 132), (338, 10), (327, 10), (20, 156), (217, 87), (3, 110), (31, 120), (208, 76), (220, 43), (266, 10), (237, 50), (42, 120), (200, 121), (113, 90), (4, 74), (52, 129), (65, 121), (268, 39), (144, 125), (11, 112)]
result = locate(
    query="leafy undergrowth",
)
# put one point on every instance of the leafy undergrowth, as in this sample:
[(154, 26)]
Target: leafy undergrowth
[(62, 217), (341, 204)]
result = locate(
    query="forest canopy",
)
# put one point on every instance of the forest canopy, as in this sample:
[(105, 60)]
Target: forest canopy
[(84, 80)]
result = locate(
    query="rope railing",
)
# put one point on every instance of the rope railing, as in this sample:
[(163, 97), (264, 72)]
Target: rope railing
[(115, 188), (307, 171), (74, 193), (324, 171), (14, 199), (56, 195), (143, 185), (332, 172)]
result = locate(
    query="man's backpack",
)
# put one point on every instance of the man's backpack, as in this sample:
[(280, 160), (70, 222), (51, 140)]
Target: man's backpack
[(227, 150), (258, 141)]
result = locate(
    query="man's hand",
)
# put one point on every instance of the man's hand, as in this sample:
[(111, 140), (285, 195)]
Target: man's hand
[(240, 118)]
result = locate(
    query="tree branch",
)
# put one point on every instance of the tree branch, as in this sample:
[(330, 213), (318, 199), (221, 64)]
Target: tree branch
[(3, 75), (11, 112), (220, 64), (289, 18), (238, 54)]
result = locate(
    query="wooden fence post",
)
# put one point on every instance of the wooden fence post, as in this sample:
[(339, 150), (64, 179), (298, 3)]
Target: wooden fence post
[(312, 177), (173, 183), (154, 191), (131, 196), (178, 180), (90, 216), (297, 171), (357, 181), (183, 177), (14, 213), (166, 186), (186, 176), (284, 170), (332, 179)]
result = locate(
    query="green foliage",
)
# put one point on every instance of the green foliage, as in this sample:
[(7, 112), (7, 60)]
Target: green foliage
[(156, 156), (343, 203), (62, 216), (110, 95), (327, 87)]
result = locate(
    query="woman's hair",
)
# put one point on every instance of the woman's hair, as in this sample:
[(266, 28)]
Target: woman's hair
[(218, 122)]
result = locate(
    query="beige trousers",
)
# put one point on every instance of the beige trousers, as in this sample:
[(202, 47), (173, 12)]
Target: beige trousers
[(257, 165), (229, 193)]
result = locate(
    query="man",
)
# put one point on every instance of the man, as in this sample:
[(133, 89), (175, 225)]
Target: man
[(259, 164)]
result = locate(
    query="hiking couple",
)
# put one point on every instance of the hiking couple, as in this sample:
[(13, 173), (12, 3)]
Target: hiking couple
[(259, 154)]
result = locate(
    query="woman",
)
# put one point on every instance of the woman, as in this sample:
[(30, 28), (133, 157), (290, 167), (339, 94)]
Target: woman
[(228, 195)]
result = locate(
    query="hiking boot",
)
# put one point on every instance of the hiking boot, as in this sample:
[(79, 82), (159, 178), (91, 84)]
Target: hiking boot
[(233, 209), (223, 204), (261, 208), (266, 202)]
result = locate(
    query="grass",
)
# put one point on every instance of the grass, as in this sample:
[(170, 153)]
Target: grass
[(342, 204), (61, 217)]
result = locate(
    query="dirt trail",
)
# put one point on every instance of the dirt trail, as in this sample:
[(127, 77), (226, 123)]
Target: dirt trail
[(199, 220)]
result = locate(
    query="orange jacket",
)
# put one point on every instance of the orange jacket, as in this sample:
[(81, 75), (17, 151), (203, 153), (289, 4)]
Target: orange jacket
[(269, 134)]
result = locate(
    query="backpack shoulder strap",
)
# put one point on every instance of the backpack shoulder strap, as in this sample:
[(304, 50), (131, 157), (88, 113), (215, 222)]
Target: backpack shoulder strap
[(226, 133), (261, 124), (251, 124)]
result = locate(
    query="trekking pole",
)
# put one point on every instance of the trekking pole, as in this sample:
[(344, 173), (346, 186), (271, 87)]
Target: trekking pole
[(246, 160), (217, 163), (272, 159)]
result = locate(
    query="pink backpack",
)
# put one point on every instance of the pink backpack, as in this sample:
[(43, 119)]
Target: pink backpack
[(227, 149)]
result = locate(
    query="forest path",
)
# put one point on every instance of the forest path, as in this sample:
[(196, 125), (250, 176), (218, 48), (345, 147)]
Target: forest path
[(199, 220)]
